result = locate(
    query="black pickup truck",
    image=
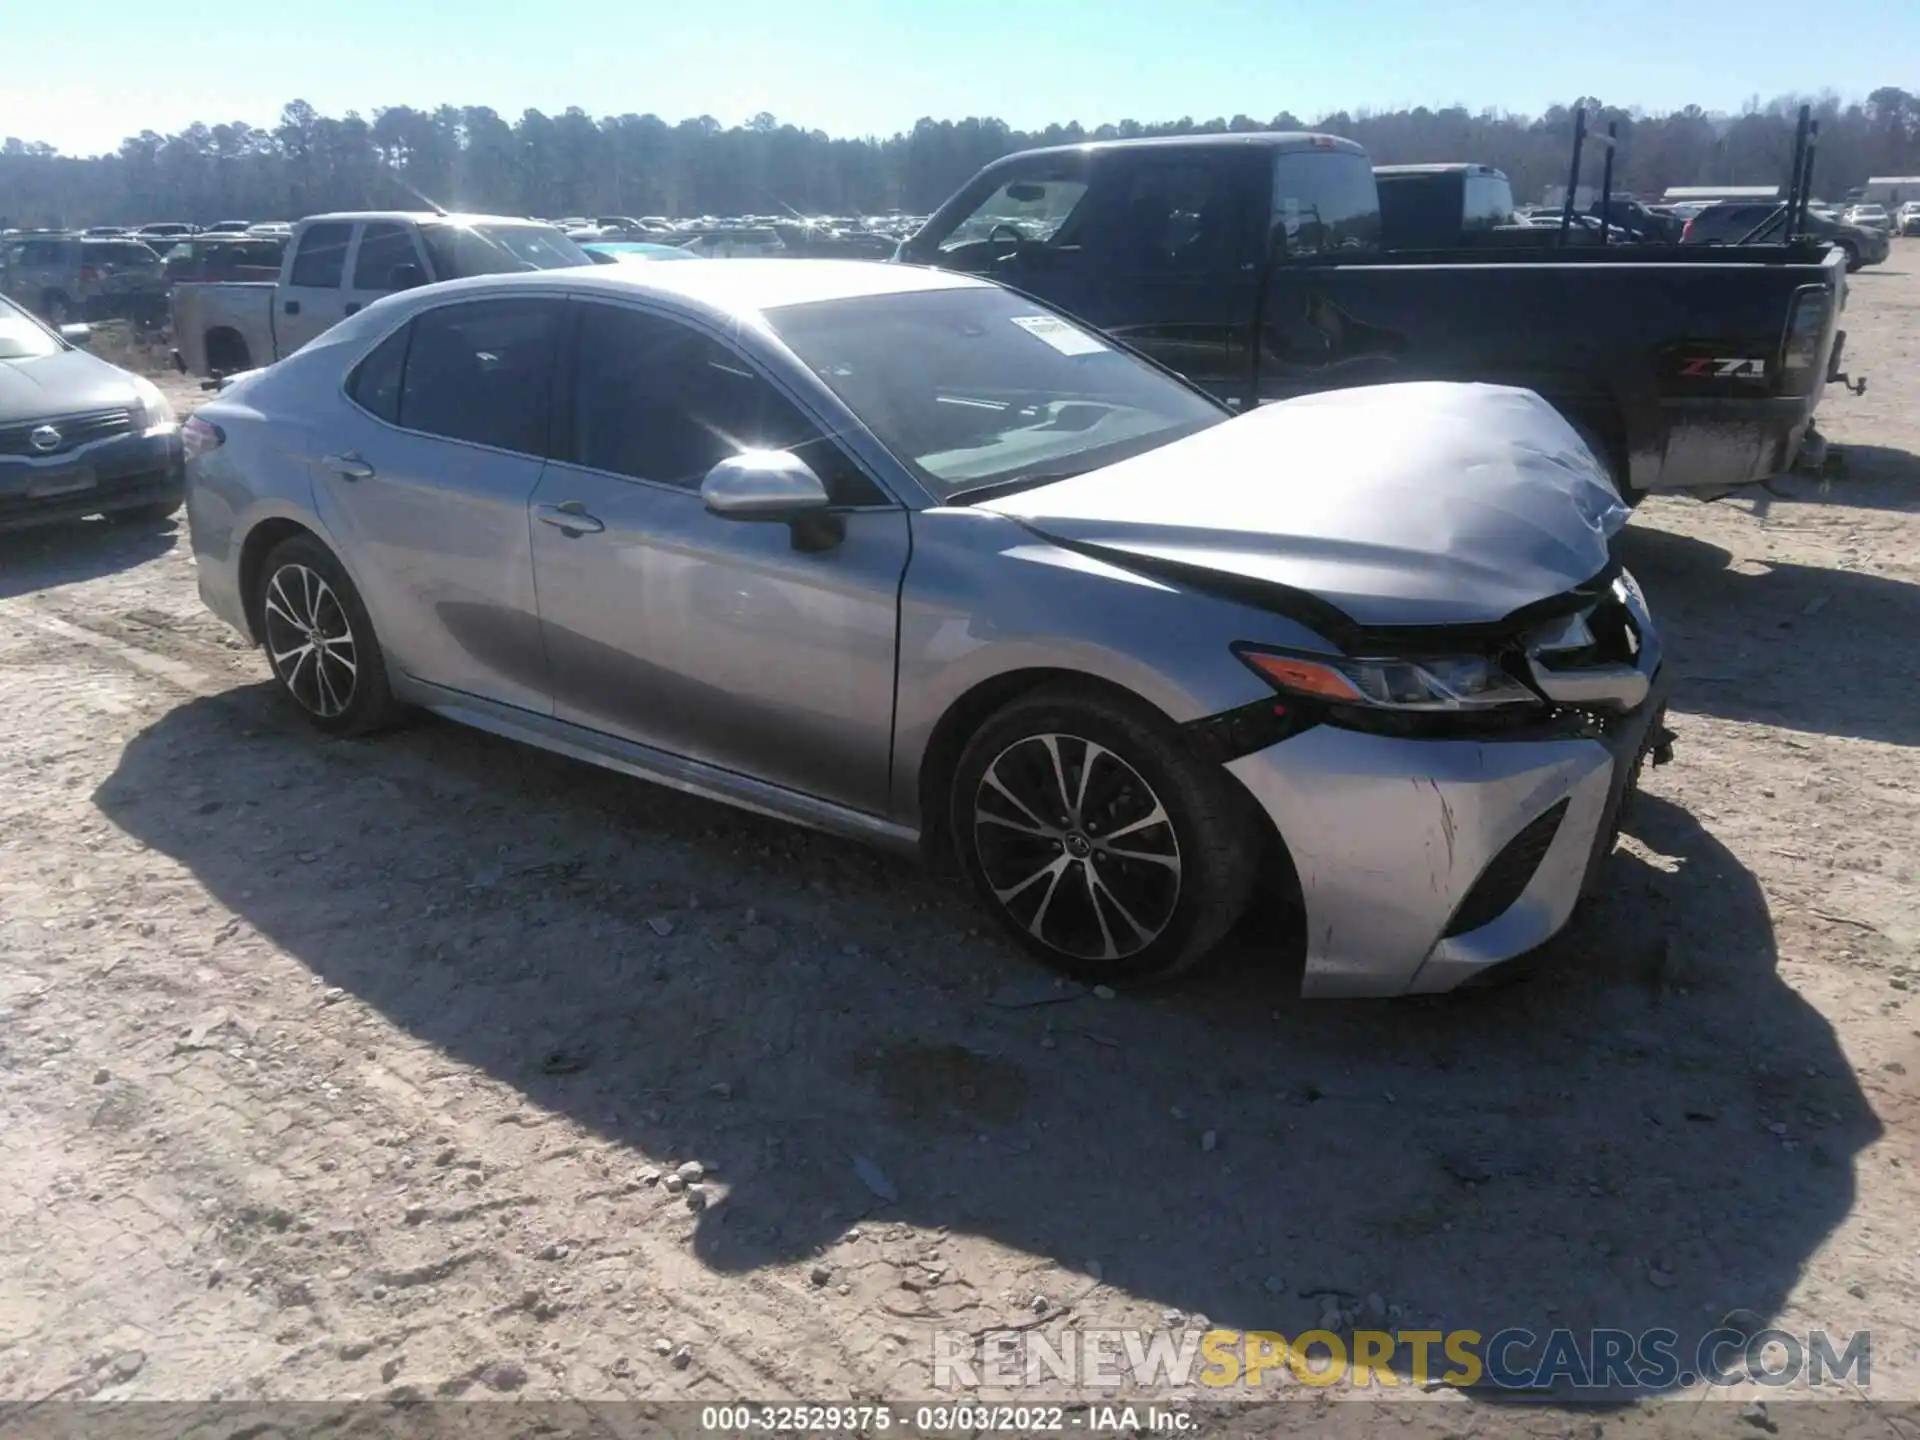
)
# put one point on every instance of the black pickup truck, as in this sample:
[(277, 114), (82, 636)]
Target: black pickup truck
[(1253, 265)]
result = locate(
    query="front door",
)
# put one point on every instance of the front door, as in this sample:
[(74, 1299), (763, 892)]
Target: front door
[(426, 477), (383, 247), (312, 299), (713, 639)]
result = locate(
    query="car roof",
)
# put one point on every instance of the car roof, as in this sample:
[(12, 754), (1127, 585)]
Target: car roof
[(423, 217), (741, 289), (1258, 140)]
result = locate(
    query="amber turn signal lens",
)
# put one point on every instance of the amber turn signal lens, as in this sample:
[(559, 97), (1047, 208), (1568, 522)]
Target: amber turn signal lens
[(1302, 676)]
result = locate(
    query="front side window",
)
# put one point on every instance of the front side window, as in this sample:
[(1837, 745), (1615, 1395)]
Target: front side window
[(1324, 203), (481, 373), (383, 246), (656, 400), (321, 261), (979, 389)]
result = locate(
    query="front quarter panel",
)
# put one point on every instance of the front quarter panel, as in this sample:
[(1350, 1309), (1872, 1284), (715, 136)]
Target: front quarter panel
[(984, 597)]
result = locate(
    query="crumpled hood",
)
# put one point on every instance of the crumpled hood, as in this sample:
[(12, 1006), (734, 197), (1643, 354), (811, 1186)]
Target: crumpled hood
[(1398, 505), (68, 383)]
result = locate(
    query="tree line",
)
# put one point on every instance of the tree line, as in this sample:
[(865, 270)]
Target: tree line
[(471, 158)]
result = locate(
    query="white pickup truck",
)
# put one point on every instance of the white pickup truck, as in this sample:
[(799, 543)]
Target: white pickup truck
[(334, 264)]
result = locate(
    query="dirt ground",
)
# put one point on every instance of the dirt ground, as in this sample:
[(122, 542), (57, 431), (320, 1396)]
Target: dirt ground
[(332, 1070)]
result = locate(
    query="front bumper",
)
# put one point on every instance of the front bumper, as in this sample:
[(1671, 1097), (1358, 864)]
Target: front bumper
[(122, 473), (1389, 837)]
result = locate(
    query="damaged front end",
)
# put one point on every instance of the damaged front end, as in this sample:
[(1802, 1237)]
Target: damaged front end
[(1437, 837)]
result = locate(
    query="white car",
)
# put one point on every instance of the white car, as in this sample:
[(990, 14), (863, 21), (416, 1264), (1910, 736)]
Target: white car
[(1874, 215), (1906, 220)]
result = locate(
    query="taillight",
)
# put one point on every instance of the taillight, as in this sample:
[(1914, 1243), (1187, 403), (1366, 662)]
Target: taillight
[(1686, 230), (88, 274), (1806, 328), (199, 436)]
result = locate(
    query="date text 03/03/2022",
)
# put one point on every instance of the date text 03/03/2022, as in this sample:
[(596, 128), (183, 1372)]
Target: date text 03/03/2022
[(962, 1418)]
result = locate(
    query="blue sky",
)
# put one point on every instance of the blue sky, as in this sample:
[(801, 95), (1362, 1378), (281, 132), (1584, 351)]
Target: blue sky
[(863, 67)]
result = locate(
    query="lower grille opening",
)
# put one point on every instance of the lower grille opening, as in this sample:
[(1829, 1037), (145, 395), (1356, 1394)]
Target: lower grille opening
[(1508, 873)]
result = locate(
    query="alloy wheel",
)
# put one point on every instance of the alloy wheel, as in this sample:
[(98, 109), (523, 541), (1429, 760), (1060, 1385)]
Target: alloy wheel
[(1077, 847), (310, 640)]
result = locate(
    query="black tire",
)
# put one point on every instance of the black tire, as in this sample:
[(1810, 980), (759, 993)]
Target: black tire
[(1085, 907), (304, 596)]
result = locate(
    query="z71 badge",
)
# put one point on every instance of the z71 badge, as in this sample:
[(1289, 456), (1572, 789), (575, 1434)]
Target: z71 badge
[(1735, 367)]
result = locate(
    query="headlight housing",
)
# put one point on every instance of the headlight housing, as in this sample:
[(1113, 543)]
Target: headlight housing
[(156, 411), (1450, 683)]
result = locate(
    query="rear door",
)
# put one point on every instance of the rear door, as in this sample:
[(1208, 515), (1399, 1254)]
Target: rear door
[(425, 483), (313, 299), (718, 640)]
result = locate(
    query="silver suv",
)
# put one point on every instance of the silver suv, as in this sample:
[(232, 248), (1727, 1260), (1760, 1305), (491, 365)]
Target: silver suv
[(65, 278)]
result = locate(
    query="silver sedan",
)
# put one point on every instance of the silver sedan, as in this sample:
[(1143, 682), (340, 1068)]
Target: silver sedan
[(904, 555)]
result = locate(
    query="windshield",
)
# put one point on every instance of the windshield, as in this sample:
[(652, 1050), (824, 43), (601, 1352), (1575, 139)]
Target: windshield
[(462, 250), (22, 337), (981, 388)]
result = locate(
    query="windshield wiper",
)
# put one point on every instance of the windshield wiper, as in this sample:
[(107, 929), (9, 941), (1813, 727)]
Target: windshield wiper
[(1012, 485)]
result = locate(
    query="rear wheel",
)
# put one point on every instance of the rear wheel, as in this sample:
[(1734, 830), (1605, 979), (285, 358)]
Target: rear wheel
[(320, 641), (1097, 840)]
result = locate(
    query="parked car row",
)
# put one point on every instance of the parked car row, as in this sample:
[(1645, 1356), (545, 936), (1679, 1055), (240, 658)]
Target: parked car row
[(934, 554)]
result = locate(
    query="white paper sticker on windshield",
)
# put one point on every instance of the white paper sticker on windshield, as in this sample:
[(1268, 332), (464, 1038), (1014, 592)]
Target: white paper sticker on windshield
[(1060, 335)]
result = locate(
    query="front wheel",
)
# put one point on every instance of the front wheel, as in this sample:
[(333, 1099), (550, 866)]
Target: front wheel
[(1097, 840), (320, 641)]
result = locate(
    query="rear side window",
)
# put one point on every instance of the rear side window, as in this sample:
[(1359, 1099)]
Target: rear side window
[(481, 373), (374, 384), (1488, 202), (382, 247), (1324, 202), (321, 261)]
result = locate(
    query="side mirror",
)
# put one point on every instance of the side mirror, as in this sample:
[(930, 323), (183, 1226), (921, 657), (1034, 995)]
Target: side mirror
[(774, 485), (406, 276), (77, 334)]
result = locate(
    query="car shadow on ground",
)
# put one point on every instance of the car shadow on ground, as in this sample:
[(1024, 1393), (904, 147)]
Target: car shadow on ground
[(1805, 647), (1653, 1131), (53, 555), (1867, 477)]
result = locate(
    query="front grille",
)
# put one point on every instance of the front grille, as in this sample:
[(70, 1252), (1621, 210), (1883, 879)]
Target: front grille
[(75, 431), (1509, 873)]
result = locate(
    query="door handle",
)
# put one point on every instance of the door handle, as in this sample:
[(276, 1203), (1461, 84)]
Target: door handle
[(291, 307), (570, 516), (348, 466), (352, 305)]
